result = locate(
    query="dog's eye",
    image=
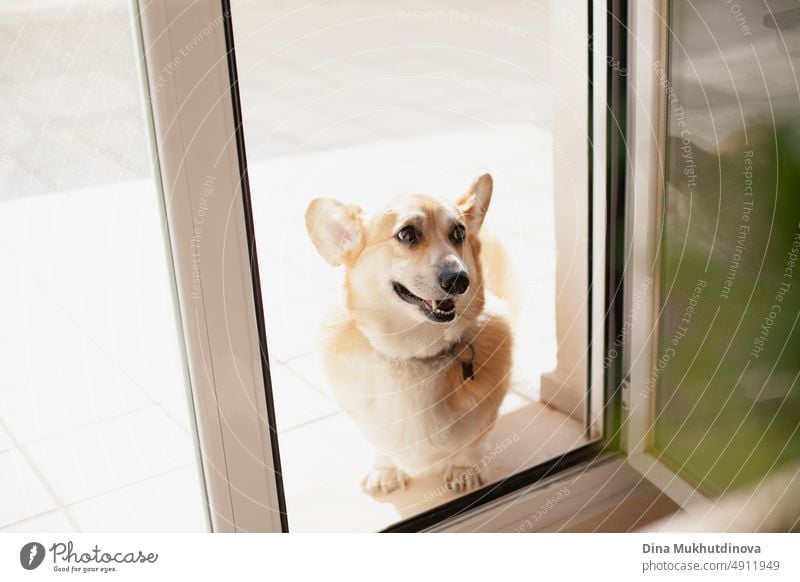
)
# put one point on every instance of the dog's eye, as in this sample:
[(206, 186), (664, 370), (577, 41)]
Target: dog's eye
[(459, 234), (409, 235)]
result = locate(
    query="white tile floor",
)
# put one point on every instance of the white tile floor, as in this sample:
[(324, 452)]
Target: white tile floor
[(94, 423), (352, 99), (21, 484), (324, 461)]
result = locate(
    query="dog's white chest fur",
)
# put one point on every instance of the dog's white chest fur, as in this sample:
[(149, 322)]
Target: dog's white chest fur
[(399, 405)]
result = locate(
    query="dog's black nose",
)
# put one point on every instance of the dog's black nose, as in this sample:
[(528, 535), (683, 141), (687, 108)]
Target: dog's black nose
[(454, 282)]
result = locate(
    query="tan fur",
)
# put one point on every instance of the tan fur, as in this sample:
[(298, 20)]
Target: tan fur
[(385, 360)]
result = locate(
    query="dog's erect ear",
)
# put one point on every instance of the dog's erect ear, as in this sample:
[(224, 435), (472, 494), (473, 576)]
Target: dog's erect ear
[(475, 202), (336, 230)]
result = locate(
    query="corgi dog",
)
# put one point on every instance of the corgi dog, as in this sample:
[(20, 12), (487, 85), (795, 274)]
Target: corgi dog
[(420, 353)]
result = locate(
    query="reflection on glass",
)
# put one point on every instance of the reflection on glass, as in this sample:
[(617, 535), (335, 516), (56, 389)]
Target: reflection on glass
[(728, 399)]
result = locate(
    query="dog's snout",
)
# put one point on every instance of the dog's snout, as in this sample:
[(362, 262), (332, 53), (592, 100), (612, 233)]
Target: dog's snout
[(454, 282)]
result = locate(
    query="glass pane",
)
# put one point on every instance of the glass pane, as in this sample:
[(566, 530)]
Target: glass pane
[(728, 402), (362, 102), (95, 425)]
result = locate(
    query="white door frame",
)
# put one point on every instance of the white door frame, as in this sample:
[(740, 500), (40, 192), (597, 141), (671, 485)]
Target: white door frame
[(200, 160), (189, 87), (647, 114)]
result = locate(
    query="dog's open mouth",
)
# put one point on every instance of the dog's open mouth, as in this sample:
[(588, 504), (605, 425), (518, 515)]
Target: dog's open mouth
[(438, 310)]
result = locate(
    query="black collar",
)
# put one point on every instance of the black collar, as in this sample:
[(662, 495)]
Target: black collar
[(462, 352)]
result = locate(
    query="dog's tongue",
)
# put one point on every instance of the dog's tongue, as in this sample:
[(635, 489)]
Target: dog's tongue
[(430, 304), (446, 304)]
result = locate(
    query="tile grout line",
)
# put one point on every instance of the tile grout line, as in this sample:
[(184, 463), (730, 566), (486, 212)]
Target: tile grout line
[(287, 364), (308, 422), (115, 416), (45, 482), (34, 516), (48, 486), (65, 508), (43, 288), (181, 427), (132, 483)]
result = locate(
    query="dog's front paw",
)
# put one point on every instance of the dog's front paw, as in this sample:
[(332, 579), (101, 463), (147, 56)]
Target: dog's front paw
[(384, 480), (460, 478)]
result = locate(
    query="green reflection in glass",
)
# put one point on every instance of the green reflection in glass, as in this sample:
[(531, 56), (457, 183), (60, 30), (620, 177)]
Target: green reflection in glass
[(728, 356)]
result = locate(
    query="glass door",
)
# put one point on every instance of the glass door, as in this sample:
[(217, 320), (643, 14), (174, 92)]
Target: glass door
[(729, 337), (720, 377), (491, 114)]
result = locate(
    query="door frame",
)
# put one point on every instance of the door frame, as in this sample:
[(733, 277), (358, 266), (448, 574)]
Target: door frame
[(648, 118), (192, 88)]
